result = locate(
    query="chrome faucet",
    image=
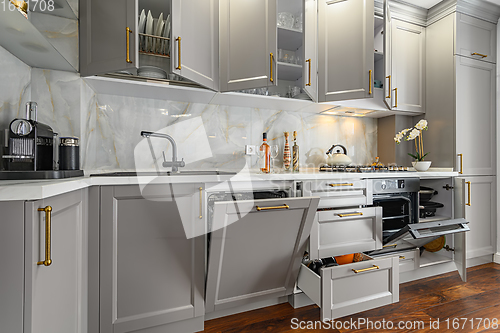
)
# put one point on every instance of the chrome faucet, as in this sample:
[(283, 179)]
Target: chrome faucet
[(166, 164)]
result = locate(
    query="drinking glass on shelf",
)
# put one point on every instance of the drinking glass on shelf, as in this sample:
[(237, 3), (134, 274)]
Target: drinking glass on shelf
[(274, 154), (291, 59), (261, 156)]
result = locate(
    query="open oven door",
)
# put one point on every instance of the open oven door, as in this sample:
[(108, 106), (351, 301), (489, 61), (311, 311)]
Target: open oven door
[(257, 253)]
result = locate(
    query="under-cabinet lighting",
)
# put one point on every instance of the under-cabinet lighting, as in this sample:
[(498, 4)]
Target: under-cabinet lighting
[(181, 115)]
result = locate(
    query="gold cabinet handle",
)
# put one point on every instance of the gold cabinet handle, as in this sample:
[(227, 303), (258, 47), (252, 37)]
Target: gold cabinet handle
[(309, 61), (285, 206), (179, 53), (365, 269), (396, 95), (392, 245), (389, 77), (370, 82), (201, 203), (402, 257), (461, 163), (479, 54), (48, 215), (468, 194), (341, 184), (128, 45), (350, 214), (272, 55)]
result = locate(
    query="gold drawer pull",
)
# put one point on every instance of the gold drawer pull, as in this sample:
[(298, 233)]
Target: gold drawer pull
[(392, 245), (179, 53), (343, 184), (402, 257), (365, 269), (128, 45), (201, 203), (48, 215), (350, 214), (396, 95), (309, 61), (272, 55), (285, 206), (389, 77), (468, 192), (479, 54), (461, 163), (370, 82)]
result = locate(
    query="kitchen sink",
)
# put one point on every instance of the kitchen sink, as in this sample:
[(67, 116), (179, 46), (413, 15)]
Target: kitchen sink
[(165, 173)]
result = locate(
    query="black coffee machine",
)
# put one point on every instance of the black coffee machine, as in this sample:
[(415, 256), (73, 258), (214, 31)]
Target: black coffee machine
[(30, 143)]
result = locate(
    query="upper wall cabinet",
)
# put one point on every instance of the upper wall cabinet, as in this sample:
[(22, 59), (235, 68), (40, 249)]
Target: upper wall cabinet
[(310, 70), (346, 58), (406, 63), (111, 41), (475, 38), (248, 44)]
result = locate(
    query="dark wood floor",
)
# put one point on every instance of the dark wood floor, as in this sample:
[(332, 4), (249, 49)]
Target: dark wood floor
[(442, 297)]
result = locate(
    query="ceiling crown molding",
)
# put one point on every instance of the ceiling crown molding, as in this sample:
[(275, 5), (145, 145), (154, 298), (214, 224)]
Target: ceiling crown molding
[(408, 12), (479, 9)]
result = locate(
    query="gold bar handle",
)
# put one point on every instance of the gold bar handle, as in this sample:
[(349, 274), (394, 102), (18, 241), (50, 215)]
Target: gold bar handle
[(342, 184), (128, 45), (461, 163), (402, 257), (179, 53), (309, 61), (201, 203), (370, 82), (392, 245), (365, 269), (350, 214), (479, 54), (468, 194), (272, 55), (396, 95), (48, 215), (389, 77), (285, 206)]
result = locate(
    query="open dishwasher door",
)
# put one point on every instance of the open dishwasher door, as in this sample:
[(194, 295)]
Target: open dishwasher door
[(256, 256)]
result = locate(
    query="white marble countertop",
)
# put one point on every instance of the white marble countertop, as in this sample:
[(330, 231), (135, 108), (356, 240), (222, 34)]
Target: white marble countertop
[(14, 190)]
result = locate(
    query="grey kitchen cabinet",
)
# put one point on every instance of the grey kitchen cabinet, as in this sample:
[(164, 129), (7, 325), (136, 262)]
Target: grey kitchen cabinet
[(351, 288), (345, 50), (475, 38), (151, 276), (479, 210), (405, 66), (256, 256), (461, 107), (248, 44), (55, 295), (348, 230), (310, 44), (109, 40), (387, 55)]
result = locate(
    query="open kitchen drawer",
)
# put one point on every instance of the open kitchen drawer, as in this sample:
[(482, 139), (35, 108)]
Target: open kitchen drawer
[(348, 230), (257, 253), (352, 288)]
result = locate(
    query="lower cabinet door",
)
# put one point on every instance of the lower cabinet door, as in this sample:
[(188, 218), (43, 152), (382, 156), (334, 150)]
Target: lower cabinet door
[(352, 288), (151, 274), (257, 251), (55, 288), (336, 232)]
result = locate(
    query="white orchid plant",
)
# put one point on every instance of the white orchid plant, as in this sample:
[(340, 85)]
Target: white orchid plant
[(414, 133)]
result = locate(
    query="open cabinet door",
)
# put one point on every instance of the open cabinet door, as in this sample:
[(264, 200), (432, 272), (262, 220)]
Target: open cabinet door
[(310, 69), (387, 56), (105, 28), (195, 41), (460, 254), (257, 253)]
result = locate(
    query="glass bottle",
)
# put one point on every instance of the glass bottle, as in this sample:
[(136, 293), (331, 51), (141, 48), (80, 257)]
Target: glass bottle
[(287, 157), (295, 153), (265, 153)]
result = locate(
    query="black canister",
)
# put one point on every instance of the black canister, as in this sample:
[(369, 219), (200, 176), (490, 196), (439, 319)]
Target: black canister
[(69, 154)]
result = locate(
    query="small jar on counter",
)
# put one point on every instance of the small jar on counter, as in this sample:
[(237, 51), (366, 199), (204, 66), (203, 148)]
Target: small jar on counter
[(69, 154)]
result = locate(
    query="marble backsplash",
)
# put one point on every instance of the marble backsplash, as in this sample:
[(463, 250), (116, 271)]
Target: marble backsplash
[(209, 136)]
